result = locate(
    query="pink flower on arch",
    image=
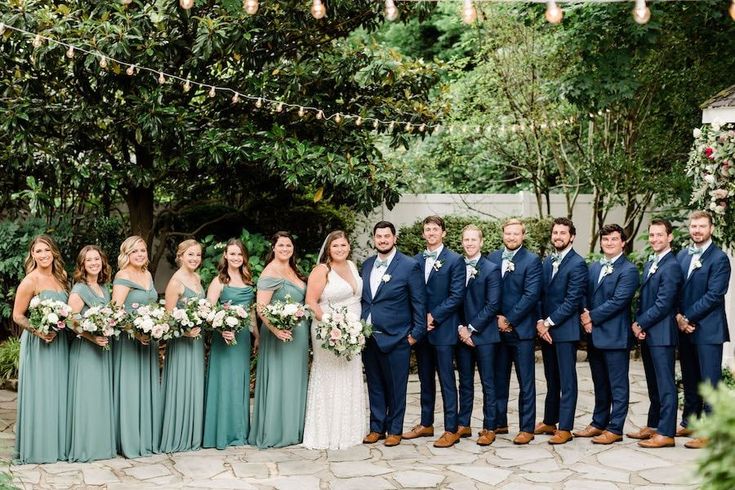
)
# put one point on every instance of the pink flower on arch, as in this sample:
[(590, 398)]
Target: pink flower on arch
[(709, 152)]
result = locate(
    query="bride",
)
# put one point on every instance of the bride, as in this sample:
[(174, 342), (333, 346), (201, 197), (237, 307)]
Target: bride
[(335, 405)]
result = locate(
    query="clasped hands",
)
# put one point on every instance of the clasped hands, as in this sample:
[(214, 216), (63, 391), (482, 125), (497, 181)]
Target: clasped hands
[(504, 325), (586, 320), (543, 331), (465, 335), (638, 331), (684, 324)]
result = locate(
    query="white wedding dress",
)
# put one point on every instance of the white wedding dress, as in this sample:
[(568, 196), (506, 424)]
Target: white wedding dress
[(336, 416)]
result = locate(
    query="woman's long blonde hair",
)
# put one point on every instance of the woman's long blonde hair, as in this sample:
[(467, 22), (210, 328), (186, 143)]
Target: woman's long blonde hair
[(126, 248), (184, 246), (57, 266)]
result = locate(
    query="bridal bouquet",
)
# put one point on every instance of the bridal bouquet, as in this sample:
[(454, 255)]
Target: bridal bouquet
[(48, 315), (152, 320), (228, 318), (105, 321), (194, 314), (286, 314), (343, 333)]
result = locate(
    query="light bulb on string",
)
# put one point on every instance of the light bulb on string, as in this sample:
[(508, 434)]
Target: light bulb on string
[(318, 10), (422, 128), (131, 70), (37, 41), (302, 112), (187, 86), (320, 114), (408, 127), (279, 107), (103, 63), (259, 103), (358, 121), (338, 118), (376, 124), (212, 92), (161, 78), (250, 6), (186, 4), (70, 52), (2, 28), (554, 14), (641, 12), (235, 98), (126, 2), (731, 10), (469, 12), (391, 126), (391, 11)]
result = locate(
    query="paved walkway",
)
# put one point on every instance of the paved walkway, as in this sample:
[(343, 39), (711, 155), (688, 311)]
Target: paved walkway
[(413, 464)]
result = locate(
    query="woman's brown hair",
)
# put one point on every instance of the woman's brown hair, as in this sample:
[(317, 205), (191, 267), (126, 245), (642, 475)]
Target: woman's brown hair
[(292, 260), (223, 266), (80, 272), (57, 266)]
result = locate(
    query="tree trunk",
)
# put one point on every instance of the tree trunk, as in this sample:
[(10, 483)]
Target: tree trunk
[(139, 199)]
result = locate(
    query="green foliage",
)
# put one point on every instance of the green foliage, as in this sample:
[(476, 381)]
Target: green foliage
[(717, 465), (6, 481), (9, 358), (411, 242)]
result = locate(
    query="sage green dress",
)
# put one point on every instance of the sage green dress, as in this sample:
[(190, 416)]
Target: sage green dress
[(42, 428), (227, 407), (183, 390), (281, 378), (90, 391), (136, 384)]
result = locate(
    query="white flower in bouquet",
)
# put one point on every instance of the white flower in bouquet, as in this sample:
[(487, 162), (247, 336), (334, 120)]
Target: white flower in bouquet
[(194, 313), (343, 333), (47, 315), (104, 321), (152, 320), (228, 318), (285, 314)]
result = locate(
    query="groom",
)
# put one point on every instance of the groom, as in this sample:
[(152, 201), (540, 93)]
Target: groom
[(394, 302)]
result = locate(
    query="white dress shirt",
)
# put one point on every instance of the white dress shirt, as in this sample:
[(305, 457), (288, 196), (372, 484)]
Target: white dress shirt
[(602, 270), (429, 263), (506, 262), (376, 276), (698, 256)]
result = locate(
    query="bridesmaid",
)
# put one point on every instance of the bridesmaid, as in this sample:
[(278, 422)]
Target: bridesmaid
[(183, 374), (90, 366), (227, 408), (281, 379), (42, 430), (135, 373)]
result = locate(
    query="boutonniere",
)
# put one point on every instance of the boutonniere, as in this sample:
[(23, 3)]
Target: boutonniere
[(473, 272), (438, 265), (697, 264), (653, 269), (385, 278), (511, 267), (607, 270)]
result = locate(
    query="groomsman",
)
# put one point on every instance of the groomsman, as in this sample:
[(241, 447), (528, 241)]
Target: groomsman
[(562, 301), (394, 301), (444, 275), (479, 335), (655, 328), (701, 318), (606, 320), (521, 273)]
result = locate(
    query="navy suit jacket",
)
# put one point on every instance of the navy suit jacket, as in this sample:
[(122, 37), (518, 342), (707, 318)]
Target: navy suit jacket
[(609, 304), (703, 295), (563, 296), (444, 295), (658, 302), (521, 291), (399, 306), (482, 302)]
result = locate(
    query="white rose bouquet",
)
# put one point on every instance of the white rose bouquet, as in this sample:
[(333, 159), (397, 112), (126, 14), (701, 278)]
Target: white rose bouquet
[(194, 314), (286, 314), (343, 333), (105, 321), (152, 320), (47, 315), (228, 318)]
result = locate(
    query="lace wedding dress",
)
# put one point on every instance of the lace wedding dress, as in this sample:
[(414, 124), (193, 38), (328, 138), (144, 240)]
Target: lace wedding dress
[(336, 416)]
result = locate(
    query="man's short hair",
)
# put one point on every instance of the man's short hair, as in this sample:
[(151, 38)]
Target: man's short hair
[(662, 222), (701, 214), (436, 220), (514, 221), (384, 224), (612, 228), (472, 227), (565, 222)]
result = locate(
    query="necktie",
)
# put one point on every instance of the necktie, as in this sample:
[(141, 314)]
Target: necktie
[(693, 250), (508, 255), (471, 263), (428, 254), (381, 263)]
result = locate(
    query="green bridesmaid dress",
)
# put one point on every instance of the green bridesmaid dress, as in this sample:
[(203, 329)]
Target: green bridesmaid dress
[(42, 428), (183, 390), (227, 407), (281, 378), (90, 391), (136, 384)]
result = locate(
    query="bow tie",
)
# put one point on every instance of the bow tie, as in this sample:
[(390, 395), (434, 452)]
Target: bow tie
[(555, 258), (431, 255), (471, 263), (508, 255), (653, 258), (381, 263), (604, 262), (695, 250)]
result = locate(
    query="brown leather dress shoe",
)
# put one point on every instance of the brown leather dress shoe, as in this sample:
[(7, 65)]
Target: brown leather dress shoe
[(561, 437), (588, 431), (373, 437), (501, 430), (607, 437), (683, 432), (644, 433), (464, 431), (419, 431), (545, 429), (523, 438), (657, 440), (448, 439), (392, 440), (486, 438), (697, 443)]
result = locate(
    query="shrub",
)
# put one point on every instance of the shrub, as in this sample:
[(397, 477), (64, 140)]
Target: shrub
[(717, 466), (9, 359)]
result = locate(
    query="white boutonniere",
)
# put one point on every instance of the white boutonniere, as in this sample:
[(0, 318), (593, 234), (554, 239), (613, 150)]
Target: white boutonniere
[(385, 278), (653, 269), (473, 272), (511, 267), (438, 265), (697, 264), (607, 270)]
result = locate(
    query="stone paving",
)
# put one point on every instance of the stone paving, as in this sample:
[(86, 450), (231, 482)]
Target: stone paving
[(414, 464)]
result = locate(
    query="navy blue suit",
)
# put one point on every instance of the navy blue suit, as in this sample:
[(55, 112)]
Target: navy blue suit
[(702, 301), (609, 302), (435, 354), (656, 315), (396, 309), (480, 309), (562, 301), (521, 292)]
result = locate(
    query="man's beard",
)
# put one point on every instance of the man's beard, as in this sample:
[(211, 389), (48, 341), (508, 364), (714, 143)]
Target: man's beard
[(384, 250)]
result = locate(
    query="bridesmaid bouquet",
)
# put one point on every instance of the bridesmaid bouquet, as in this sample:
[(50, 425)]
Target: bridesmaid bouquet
[(343, 333), (286, 314), (194, 314), (106, 321), (152, 320), (228, 318), (48, 315)]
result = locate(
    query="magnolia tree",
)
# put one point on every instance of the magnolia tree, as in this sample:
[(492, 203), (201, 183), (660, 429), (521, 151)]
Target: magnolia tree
[(712, 169)]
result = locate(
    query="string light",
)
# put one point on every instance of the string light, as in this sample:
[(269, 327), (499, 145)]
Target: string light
[(161, 78), (259, 103), (408, 127), (554, 14), (37, 41), (250, 6), (641, 12), (302, 111), (186, 4), (422, 128), (103, 62), (318, 10), (187, 86), (358, 121), (131, 70), (391, 11), (70, 52), (469, 12), (279, 107), (235, 98), (376, 124), (732, 10), (320, 115), (391, 126), (212, 92)]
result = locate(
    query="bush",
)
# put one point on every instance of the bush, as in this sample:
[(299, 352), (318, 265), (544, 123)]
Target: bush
[(717, 467), (538, 232), (9, 359)]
